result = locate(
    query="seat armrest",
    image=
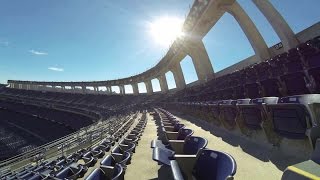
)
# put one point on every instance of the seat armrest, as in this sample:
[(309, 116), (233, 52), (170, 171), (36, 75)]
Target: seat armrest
[(172, 135), (175, 169), (177, 145), (108, 171), (186, 162), (117, 156), (168, 128), (124, 147)]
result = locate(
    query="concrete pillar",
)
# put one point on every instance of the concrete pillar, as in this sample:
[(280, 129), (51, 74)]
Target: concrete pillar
[(163, 83), (84, 89), (73, 89), (148, 86), (135, 88), (278, 23), (109, 90), (178, 76), (122, 90), (200, 59), (257, 42)]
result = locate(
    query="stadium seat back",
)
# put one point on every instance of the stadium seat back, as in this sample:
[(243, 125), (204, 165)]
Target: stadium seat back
[(214, 165), (183, 133), (193, 144)]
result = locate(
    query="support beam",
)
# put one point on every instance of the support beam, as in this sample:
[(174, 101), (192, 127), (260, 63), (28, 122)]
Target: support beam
[(178, 76), (135, 88), (278, 23), (84, 89), (148, 86), (200, 58), (122, 90), (163, 83), (73, 89), (257, 42)]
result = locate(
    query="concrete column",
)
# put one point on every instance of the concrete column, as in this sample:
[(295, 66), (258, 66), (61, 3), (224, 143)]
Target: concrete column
[(73, 89), (122, 90), (148, 86), (257, 42), (135, 88), (163, 83), (109, 90), (178, 76), (278, 23), (84, 89), (200, 59)]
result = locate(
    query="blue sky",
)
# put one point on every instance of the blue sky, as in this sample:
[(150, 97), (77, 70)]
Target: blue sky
[(75, 40)]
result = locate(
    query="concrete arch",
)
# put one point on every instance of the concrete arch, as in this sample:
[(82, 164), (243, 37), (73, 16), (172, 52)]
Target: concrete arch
[(224, 45), (188, 69), (115, 89), (250, 30), (170, 80), (278, 23)]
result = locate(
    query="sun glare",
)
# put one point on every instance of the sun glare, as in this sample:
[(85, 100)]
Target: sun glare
[(166, 29)]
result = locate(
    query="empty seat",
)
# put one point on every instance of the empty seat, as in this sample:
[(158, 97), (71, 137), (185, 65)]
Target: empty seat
[(296, 83), (107, 173), (252, 112), (294, 115), (190, 146), (181, 135), (229, 113), (122, 148), (111, 160), (74, 171), (209, 165)]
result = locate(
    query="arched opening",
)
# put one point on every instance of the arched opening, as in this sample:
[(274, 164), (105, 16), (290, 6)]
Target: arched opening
[(264, 27), (155, 85), (115, 89), (230, 48), (142, 87), (102, 88), (170, 80), (188, 70), (128, 89)]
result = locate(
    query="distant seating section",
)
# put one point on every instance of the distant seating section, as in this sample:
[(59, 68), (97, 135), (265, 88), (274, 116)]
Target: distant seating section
[(73, 120), (76, 164), (279, 96), (188, 157)]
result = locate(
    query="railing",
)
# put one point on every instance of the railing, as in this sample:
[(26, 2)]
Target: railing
[(89, 135)]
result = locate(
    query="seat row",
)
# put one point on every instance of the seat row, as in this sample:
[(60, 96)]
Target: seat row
[(292, 117), (294, 72), (187, 155), (76, 164), (113, 166)]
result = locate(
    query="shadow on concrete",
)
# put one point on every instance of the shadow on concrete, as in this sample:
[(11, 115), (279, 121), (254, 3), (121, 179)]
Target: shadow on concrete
[(263, 152), (164, 173)]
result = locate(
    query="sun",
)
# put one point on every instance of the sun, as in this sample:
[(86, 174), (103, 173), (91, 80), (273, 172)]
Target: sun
[(165, 30)]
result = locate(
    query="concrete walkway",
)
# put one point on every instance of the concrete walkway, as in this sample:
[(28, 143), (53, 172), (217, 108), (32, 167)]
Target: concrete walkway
[(142, 166)]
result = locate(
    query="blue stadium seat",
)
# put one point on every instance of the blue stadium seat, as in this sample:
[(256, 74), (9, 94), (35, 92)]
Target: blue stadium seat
[(209, 165), (181, 135), (295, 117), (122, 148), (253, 112), (111, 160), (107, 172), (190, 146)]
